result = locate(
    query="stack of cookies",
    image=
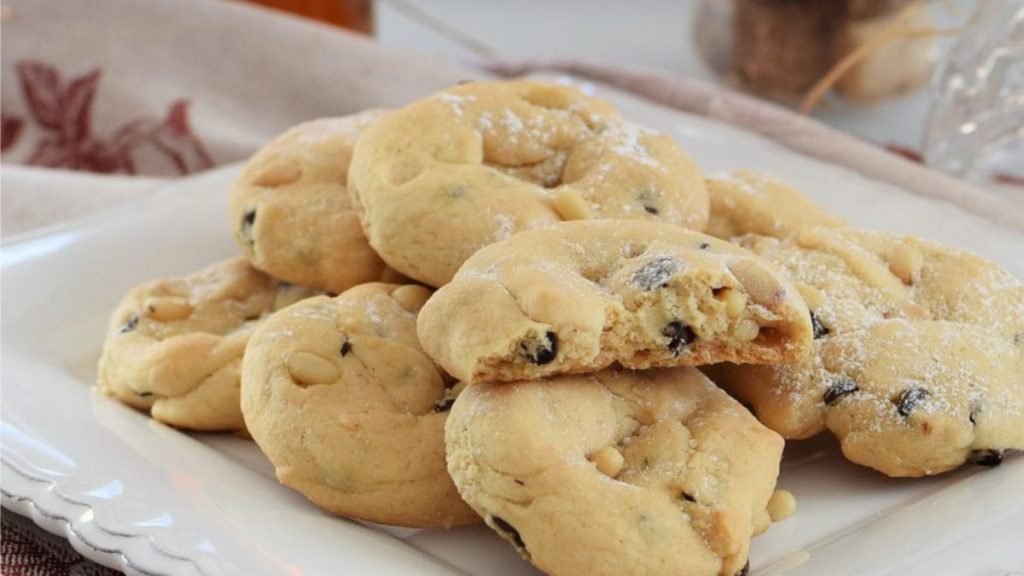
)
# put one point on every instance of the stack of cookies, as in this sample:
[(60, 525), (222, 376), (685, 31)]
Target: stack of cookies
[(489, 305)]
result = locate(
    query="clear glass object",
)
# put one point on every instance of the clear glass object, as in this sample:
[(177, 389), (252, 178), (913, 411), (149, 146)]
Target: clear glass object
[(975, 127)]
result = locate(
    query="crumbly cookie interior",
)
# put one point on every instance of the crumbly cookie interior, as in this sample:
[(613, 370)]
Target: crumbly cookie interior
[(639, 303)]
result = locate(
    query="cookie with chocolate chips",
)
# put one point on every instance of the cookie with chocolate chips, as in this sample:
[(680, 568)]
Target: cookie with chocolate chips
[(290, 210), (748, 202), (577, 296), (342, 400), (174, 346), (616, 472), (474, 164), (917, 359)]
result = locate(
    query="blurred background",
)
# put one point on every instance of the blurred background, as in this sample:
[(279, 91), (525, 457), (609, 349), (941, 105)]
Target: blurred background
[(941, 81)]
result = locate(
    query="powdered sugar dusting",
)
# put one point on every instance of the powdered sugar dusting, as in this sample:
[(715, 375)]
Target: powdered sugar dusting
[(625, 141), (934, 348), (317, 132), (512, 123), (506, 227), (319, 312), (743, 184), (374, 314), (455, 102), (490, 273)]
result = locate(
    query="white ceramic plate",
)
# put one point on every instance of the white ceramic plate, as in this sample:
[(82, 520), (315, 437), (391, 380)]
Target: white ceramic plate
[(139, 496)]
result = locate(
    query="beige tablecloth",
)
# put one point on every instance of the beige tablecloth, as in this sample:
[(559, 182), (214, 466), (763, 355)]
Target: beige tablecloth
[(99, 93)]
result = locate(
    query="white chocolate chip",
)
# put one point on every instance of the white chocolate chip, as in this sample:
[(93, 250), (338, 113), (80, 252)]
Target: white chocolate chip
[(308, 369), (609, 461), (571, 206), (812, 296), (905, 263), (411, 297), (167, 308), (761, 285), (746, 330), (781, 505), (548, 97), (734, 300)]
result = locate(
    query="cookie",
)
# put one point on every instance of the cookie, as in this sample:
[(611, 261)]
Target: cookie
[(291, 213), (916, 363), (616, 472), (748, 202), (342, 400), (474, 164), (578, 296), (174, 345)]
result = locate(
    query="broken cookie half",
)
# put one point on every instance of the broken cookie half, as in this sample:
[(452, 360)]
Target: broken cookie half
[(578, 296)]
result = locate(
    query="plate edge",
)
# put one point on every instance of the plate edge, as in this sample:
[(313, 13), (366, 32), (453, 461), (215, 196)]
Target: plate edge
[(67, 522)]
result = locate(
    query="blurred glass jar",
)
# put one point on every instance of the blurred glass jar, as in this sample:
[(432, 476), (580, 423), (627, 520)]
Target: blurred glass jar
[(780, 49), (975, 127)]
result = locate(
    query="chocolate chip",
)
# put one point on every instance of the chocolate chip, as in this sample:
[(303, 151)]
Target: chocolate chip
[(842, 386), (679, 335), (910, 399), (648, 200), (988, 458), (507, 528), (346, 347), (444, 404), (745, 570), (703, 246), (541, 352), (687, 497), (248, 219), (131, 324), (143, 394), (520, 482), (655, 273), (819, 328)]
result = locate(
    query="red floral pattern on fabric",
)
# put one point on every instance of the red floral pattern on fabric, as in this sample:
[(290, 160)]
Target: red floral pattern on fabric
[(63, 111), (10, 129)]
